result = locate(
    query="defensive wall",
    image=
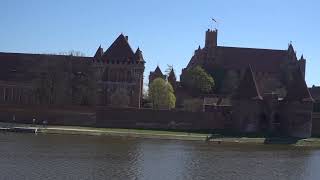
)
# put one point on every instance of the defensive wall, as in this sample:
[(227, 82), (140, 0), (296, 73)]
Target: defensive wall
[(113, 117), (106, 117)]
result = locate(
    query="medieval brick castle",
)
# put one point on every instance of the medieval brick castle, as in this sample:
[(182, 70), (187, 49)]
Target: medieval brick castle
[(265, 88), (257, 90), (111, 78)]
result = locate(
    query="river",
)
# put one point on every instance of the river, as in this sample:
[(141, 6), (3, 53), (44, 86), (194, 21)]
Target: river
[(67, 157)]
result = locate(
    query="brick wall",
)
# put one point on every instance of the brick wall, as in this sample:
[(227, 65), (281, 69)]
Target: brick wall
[(66, 115), (162, 119), (114, 117)]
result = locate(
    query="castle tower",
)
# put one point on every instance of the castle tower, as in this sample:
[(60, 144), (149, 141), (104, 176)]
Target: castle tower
[(211, 38), (119, 73)]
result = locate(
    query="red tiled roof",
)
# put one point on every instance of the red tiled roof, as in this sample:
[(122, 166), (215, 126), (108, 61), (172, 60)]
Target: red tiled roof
[(248, 88), (297, 88), (24, 67), (119, 50), (262, 60)]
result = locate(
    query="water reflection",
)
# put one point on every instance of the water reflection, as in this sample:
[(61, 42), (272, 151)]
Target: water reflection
[(25, 156)]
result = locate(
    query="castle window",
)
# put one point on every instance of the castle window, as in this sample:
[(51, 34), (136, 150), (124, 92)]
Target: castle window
[(129, 76)]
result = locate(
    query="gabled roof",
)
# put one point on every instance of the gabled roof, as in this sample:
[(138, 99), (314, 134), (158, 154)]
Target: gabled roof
[(119, 50), (297, 89), (248, 88), (262, 60)]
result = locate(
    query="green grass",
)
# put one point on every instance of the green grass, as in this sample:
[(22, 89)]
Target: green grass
[(137, 133), (157, 134), (142, 131)]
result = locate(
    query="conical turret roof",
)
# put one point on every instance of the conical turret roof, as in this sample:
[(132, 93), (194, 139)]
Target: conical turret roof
[(158, 71), (99, 53), (172, 76), (138, 55)]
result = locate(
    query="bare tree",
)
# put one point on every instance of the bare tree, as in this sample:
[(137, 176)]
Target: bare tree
[(69, 53)]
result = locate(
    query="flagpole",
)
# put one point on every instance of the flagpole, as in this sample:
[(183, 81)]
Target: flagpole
[(215, 22)]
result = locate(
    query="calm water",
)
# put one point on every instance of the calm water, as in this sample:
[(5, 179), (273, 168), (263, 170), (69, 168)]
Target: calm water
[(27, 156)]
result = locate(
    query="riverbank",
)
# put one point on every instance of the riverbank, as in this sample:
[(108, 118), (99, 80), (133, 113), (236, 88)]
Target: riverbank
[(169, 135), (156, 134)]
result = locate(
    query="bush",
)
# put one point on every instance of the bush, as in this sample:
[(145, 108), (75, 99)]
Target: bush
[(198, 80)]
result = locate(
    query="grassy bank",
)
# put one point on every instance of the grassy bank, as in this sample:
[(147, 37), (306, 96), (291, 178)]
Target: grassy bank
[(136, 133), (157, 134)]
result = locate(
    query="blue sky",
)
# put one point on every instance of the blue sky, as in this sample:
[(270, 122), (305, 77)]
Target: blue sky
[(167, 31)]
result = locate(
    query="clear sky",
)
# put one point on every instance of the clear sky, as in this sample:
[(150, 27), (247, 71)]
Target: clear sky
[(167, 31)]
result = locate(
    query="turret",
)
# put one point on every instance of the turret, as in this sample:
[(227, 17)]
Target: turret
[(98, 54), (302, 65), (291, 53), (138, 56), (157, 73), (172, 78)]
